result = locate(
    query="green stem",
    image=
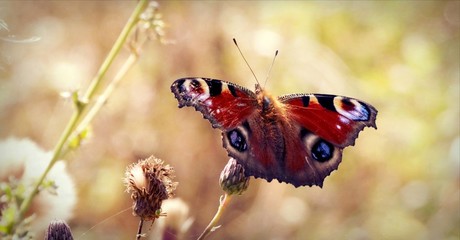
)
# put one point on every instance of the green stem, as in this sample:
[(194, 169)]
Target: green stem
[(105, 95), (92, 89), (212, 225), (133, 20)]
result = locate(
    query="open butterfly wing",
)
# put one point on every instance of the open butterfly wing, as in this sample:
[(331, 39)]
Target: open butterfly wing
[(224, 104), (326, 125), (334, 118)]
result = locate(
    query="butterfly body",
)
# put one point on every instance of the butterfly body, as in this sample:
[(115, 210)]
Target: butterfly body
[(297, 138)]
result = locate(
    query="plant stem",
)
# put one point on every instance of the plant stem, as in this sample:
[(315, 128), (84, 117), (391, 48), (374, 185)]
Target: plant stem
[(139, 230), (92, 89), (212, 225), (133, 20), (105, 95)]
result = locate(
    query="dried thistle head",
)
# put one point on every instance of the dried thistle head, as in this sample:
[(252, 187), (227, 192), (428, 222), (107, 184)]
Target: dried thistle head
[(149, 182), (232, 178)]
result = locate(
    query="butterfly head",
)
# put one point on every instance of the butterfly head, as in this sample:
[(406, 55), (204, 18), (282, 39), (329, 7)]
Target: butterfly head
[(265, 101)]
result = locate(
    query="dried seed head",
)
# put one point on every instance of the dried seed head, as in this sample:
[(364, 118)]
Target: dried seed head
[(232, 178), (149, 182)]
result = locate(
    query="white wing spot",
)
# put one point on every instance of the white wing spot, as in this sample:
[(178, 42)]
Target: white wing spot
[(204, 86), (354, 112)]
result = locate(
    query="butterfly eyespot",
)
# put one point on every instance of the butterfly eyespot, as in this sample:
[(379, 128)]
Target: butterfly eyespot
[(237, 140), (322, 151)]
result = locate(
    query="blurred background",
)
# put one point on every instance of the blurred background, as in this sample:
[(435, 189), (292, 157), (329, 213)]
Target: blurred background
[(398, 182)]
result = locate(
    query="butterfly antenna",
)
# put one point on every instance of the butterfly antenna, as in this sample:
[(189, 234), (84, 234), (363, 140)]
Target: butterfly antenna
[(236, 44), (271, 66)]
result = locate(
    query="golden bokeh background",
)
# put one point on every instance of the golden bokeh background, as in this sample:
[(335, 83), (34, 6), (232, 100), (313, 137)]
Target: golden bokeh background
[(399, 182)]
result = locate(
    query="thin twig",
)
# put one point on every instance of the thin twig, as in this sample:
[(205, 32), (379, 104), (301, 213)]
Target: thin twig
[(139, 231), (100, 101), (92, 89), (213, 224)]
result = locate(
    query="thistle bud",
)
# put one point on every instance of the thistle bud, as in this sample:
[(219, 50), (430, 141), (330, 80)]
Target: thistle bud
[(232, 178), (149, 182), (58, 230)]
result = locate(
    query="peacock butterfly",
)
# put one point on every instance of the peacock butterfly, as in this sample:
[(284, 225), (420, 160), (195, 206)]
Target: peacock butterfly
[(296, 138)]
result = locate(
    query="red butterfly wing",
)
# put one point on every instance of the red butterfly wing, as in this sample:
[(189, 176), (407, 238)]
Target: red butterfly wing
[(224, 104), (325, 125), (236, 111), (334, 118)]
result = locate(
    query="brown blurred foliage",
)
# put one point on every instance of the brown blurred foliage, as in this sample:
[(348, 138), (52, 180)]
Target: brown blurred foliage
[(399, 182)]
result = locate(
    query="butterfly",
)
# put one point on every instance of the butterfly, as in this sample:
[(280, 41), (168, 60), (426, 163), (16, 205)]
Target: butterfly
[(296, 139)]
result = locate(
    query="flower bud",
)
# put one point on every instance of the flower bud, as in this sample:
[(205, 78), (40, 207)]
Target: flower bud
[(58, 230), (232, 178)]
